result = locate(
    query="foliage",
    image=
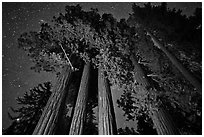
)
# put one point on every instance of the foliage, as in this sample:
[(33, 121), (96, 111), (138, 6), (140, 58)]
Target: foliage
[(44, 47), (145, 125), (127, 131), (127, 103), (170, 26), (87, 36), (170, 84), (33, 103), (77, 34)]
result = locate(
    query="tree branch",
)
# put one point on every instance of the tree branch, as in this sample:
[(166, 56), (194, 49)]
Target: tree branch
[(69, 62)]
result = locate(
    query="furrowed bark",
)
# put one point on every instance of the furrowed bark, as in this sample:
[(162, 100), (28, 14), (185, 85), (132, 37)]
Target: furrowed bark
[(80, 107), (179, 66), (107, 123), (47, 123), (161, 119)]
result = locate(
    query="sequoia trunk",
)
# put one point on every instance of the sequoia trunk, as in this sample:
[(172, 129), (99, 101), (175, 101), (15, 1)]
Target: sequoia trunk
[(80, 107), (107, 123), (180, 67), (160, 118), (163, 122), (67, 109), (49, 117)]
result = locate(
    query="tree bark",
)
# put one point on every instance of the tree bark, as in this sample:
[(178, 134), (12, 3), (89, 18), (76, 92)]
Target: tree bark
[(163, 122), (160, 118), (107, 123), (67, 107), (80, 107), (179, 66), (47, 123)]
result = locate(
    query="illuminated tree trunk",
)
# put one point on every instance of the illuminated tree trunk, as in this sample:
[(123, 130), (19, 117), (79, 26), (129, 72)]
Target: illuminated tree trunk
[(107, 123), (161, 119), (49, 117), (179, 66), (80, 107)]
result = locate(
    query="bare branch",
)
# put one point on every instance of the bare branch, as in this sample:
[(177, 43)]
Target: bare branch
[(152, 75), (69, 62), (142, 62)]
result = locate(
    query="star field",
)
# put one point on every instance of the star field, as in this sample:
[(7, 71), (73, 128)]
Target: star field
[(23, 17)]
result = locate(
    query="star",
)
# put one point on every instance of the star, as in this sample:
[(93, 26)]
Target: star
[(24, 17), (112, 7)]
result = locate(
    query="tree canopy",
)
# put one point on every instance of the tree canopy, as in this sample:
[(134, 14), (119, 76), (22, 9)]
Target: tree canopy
[(81, 36)]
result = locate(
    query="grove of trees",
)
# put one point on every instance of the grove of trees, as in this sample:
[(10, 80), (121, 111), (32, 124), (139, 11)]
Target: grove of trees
[(154, 57)]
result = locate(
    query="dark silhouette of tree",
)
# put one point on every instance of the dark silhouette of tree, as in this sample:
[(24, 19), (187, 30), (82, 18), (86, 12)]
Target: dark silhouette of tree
[(127, 131), (28, 115), (90, 125), (145, 125), (126, 102), (68, 104), (91, 122)]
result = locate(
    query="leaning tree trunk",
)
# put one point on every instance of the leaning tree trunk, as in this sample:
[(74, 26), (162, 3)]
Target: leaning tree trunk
[(164, 123), (107, 123), (161, 119), (47, 123), (179, 66), (80, 107)]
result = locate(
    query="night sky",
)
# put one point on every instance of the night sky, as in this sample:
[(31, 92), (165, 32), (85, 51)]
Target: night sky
[(21, 17)]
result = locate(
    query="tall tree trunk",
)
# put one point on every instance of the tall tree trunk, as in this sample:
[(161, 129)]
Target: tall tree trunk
[(80, 107), (179, 66), (49, 118), (67, 109), (160, 118), (107, 123), (162, 121)]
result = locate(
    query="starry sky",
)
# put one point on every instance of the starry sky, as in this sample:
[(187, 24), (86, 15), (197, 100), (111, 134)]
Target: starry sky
[(19, 17)]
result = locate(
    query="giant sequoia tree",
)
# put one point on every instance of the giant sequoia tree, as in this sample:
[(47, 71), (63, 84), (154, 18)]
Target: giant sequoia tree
[(80, 107)]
